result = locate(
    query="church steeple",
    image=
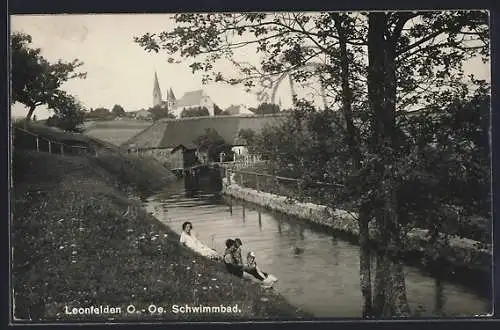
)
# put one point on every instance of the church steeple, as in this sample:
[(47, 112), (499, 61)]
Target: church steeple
[(156, 92)]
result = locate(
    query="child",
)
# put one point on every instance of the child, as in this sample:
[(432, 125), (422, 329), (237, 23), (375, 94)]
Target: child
[(251, 267), (231, 264)]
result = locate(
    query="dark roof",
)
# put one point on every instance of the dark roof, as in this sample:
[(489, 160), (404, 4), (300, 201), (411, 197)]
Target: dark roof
[(191, 146), (170, 133)]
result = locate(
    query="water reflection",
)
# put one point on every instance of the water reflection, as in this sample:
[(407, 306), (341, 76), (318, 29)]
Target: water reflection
[(243, 212), (324, 278), (440, 299)]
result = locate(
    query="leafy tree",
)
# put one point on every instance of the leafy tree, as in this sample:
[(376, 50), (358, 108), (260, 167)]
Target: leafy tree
[(266, 108), (248, 135), (160, 111), (70, 117), (36, 81), (217, 110), (118, 110), (382, 62), (195, 112), (99, 113), (213, 144)]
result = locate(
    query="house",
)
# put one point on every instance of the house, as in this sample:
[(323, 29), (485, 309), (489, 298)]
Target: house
[(239, 148), (160, 139), (144, 115)]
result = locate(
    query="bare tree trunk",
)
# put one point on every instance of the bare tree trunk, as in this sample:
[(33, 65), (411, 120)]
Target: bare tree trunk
[(29, 115), (365, 264), (30, 112), (354, 148)]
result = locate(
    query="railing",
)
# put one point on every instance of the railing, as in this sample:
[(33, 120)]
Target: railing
[(304, 190), (28, 140)]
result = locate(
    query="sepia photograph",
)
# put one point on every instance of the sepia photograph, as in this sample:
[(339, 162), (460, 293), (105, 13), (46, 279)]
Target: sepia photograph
[(252, 166)]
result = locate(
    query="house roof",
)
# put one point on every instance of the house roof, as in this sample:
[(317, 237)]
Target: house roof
[(170, 133), (190, 99)]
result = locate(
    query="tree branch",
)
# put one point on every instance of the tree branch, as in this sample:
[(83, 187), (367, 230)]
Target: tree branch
[(421, 41)]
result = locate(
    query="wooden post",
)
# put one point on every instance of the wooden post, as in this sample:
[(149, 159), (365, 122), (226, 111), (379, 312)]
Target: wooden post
[(228, 176), (62, 149), (257, 181), (37, 144), (50, 147), (299, 186)]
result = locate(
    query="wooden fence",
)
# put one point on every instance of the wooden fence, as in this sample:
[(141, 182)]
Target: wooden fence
[(306, 190), (25, 139)]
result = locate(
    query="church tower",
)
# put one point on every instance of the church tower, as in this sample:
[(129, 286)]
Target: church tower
[(171, 99), (156, 92)]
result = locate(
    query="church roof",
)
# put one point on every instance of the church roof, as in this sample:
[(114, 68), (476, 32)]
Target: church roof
[(193, 98), (156, 87), (170, 133)]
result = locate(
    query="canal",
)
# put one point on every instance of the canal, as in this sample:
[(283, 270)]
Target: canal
[(317, 271)]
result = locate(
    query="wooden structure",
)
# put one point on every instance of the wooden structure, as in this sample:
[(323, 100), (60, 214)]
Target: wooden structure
[(183, 157)]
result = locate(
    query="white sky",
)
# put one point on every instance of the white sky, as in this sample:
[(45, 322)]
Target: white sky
[(121, 72)]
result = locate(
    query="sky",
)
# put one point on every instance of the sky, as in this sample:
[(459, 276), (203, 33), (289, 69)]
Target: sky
[(119, 71)]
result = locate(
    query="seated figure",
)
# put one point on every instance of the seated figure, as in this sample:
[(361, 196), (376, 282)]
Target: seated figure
[(190, 241)]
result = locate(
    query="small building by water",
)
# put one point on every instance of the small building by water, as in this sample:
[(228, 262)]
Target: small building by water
[(183, 157)]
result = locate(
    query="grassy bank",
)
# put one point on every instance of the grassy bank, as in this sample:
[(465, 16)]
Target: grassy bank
[(79, 242)]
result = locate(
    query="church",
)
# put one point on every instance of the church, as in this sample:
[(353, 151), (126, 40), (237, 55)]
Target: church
[(193, 99)]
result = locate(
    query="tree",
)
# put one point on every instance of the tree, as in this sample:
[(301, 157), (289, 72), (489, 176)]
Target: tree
[(70, 116), (248, 135), (118, 110), (195, 112), (266, 108), (395, 61), (36, 81), (160, 111), (99, 113), (217, 111), (213, 144)]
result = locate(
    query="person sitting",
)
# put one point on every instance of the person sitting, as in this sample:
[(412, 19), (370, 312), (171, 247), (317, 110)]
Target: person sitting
[(231, 263), (251, 267), (237, 253), (189, 240)]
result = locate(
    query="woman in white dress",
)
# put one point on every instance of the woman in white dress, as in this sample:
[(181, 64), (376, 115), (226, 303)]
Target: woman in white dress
[(190, 241)]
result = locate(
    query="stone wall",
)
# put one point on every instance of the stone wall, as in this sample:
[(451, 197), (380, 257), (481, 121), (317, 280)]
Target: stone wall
[(460, 251)]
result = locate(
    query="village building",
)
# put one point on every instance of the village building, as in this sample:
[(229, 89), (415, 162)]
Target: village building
[(167, 137)]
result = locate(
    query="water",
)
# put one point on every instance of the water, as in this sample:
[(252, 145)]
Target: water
[(324, 278)]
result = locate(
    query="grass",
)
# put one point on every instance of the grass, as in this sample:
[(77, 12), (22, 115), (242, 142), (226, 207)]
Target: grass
[(78, 241), (114, 135)]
